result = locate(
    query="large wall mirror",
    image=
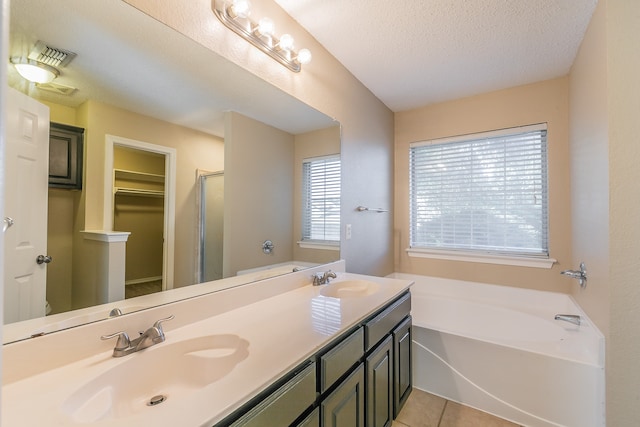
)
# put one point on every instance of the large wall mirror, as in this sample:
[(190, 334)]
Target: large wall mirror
[(164, 119)]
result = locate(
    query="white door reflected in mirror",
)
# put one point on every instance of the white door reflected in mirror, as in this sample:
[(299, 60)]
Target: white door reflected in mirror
[(27, 156)]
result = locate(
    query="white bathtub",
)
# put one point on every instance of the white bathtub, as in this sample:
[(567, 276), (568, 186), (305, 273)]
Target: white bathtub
[(499, 349)]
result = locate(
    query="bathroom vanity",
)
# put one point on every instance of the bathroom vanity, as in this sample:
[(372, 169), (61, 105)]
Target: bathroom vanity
[(273, 353), (367, 367)]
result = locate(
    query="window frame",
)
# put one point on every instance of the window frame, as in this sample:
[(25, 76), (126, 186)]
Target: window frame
[(504, 257), (305, 240)]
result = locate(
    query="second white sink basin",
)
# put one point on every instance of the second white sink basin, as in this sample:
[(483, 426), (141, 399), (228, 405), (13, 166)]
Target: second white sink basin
[(350, 289), (162, 374)]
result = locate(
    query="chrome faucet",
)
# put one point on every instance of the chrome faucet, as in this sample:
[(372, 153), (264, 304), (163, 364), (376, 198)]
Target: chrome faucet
[(571, 318), (323, 278), (580, 275), (152, 336)]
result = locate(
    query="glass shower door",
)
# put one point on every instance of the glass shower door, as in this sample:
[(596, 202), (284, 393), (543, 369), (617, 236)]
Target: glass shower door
[(211, 225)]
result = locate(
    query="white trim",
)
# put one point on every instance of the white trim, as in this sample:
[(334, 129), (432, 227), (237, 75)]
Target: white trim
[(169, 196), (106, 236), (332, 246), (521, 261)]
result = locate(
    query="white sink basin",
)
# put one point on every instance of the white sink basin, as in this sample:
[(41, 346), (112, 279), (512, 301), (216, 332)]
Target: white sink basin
[(350, 289), (166, 372)]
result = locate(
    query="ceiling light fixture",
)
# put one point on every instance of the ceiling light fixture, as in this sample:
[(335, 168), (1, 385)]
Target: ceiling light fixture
[(235, 15), (35, 71)]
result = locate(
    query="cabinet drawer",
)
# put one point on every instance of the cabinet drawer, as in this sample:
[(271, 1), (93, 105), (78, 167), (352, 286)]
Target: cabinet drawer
[(380, 325), (337, 361), (284, 405)]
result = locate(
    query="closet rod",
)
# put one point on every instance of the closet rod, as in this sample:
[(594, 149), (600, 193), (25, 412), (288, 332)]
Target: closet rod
[(138, 192)]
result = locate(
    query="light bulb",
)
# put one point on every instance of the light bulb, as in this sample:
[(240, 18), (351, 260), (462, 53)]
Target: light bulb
[(34, 71), (240, 9), (286, 42), (304, 56), (265, 27)]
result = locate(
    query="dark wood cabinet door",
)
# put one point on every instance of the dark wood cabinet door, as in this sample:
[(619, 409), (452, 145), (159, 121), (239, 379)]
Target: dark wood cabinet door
[(65, 156), (379, 367), (344, 407), (402, 365)]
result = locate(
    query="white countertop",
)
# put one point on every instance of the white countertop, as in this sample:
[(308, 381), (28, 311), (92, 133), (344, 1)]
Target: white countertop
[(282, 331)]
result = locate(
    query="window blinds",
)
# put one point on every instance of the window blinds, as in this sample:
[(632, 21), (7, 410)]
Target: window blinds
[(321, 199), (483, 192)]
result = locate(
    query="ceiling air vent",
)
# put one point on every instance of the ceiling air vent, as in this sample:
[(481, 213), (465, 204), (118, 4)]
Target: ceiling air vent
[(52, 56), (56, 88)]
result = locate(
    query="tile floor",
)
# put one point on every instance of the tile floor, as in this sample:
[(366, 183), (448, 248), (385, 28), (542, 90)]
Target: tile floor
[(427, 410)]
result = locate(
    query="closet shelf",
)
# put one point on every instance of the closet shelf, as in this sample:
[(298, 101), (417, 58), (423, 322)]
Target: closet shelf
[(137, 176), (138, 192)]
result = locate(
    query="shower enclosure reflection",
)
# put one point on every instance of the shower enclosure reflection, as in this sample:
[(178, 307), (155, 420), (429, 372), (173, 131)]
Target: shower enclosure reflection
[(211, 225)]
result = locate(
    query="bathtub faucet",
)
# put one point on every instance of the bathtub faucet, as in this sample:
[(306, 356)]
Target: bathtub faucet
[(580, 275), (571, 318)]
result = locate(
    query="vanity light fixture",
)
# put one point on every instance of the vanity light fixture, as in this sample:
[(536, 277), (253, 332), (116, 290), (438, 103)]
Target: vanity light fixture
[(265, 28), (235, 15), (35, 71)]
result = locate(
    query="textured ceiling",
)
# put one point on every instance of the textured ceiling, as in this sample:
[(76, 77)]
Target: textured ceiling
[(411, 53)]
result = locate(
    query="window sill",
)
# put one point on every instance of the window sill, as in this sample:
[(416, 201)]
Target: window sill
[(327, 246), (482, 258)]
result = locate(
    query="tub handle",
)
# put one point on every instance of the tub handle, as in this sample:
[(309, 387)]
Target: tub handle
[(580, 275)]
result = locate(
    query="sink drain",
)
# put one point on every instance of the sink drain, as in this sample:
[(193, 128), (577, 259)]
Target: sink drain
[(156, 400)]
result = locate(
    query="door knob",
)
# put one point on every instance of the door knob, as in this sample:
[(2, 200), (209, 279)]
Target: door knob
[(43, 259)]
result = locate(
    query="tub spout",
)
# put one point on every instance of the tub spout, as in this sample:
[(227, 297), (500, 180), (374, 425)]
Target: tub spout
[(571, 318)]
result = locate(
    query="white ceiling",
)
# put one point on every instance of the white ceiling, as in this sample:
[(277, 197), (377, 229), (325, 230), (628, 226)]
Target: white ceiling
[(412, 53)]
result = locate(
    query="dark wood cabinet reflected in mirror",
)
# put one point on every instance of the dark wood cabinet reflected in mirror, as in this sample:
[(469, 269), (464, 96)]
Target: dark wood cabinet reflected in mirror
[(65, 156)]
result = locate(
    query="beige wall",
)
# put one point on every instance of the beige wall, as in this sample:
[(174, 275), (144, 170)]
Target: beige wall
[(605, 107), (61, 212), (318, 143), (259, 174), (590, 163), (194, 150), (623, 352), (589, 160), (62, 207), (367, 124), (536, 103), (61, 114)]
